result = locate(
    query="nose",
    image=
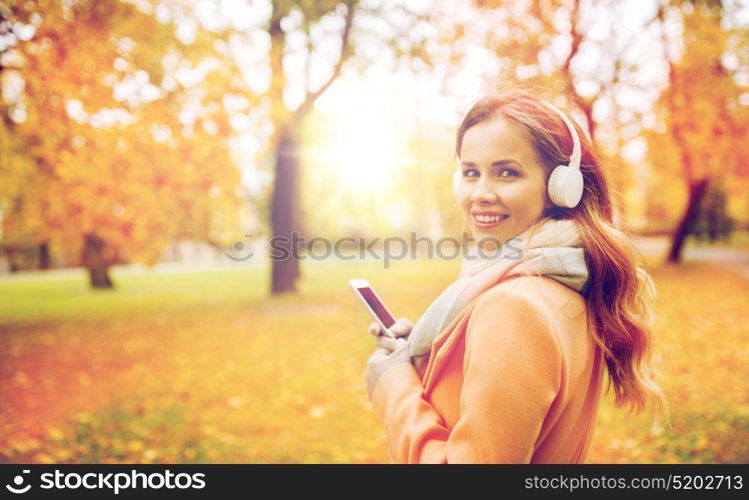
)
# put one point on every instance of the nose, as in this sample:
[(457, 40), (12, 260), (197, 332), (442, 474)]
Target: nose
[(482, 193)]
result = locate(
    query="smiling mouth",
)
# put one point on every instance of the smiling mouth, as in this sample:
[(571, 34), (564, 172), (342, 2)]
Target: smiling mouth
[(485, 221)]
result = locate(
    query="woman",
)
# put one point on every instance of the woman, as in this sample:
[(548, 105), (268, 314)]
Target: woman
[(507, 365)]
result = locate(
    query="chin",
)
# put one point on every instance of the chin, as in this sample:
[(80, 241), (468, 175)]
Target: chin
[(490, 237)]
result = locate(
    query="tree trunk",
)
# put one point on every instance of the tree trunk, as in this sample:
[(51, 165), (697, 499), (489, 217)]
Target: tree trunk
[(285, 215), (696, 193), (98, 268), (44, 256)]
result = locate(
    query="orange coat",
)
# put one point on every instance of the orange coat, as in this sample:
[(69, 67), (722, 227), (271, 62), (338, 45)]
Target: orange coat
[(515, 377)]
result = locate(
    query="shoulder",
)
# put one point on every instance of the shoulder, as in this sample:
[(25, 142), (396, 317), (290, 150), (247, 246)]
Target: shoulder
[(513, 312), (542, 294), (532, 310), (518, 293), (506, 322)]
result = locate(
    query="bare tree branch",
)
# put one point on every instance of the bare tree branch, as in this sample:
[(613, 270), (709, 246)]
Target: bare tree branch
[(345, 53)]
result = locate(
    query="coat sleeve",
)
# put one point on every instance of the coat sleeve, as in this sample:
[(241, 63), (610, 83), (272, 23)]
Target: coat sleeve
[(511, 376)]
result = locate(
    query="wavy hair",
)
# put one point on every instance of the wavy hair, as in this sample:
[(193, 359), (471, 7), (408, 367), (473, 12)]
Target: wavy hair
[(619, 294)]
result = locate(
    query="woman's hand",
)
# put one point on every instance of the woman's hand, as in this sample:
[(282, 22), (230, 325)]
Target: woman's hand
[(401, 329), (383, 359)]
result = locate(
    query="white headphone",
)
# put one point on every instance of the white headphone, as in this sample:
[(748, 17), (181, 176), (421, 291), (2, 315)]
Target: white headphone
[(565, 186)]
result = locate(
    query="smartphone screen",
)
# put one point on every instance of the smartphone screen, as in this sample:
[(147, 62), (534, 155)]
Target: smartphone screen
[(377, 306)]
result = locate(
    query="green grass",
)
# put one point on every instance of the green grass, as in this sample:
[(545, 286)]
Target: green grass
[(240, 375)]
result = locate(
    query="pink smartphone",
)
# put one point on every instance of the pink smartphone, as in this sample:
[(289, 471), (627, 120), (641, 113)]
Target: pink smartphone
[(373, 304)]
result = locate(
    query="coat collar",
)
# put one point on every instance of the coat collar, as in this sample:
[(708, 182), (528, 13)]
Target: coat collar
[(444, 344)]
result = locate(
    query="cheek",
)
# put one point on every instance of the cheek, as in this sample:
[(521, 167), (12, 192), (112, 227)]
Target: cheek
[(465, 198), (527, 198)]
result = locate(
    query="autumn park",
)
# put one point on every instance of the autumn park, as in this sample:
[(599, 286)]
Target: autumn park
[(151, 149)]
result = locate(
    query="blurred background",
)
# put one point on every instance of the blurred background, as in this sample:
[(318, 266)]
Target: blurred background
[(150, 150)]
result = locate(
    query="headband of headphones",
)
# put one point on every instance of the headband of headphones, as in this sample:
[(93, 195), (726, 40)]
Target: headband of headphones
[(576, 152)]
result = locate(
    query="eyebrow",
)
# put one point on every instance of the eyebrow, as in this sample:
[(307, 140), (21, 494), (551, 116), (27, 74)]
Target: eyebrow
[(497, 163)]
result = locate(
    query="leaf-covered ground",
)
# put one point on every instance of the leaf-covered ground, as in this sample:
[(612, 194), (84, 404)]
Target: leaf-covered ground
[(205, 367)]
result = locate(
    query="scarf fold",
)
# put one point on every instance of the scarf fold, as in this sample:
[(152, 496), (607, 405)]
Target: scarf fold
[(554, 250)]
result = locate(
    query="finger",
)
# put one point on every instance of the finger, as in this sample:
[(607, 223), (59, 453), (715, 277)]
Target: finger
[(401, 328), (401, 350), (386, 343), (374, 328)]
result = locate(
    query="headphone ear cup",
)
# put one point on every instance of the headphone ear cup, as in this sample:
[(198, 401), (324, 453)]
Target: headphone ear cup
[(551, 186), (565, 186), (457, 179)]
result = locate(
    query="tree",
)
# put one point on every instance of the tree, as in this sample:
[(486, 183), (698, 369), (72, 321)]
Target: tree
[(102, 163), (227, 49), (703, 122), (311, 21), (285, 210)]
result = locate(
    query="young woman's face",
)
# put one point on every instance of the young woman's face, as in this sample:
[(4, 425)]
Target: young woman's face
[(503, 188)]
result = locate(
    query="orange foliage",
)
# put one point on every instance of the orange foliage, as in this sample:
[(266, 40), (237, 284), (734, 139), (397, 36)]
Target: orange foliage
[(97, 133)]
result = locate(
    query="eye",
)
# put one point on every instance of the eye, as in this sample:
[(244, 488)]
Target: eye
[(469, 171), (511, 171)]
